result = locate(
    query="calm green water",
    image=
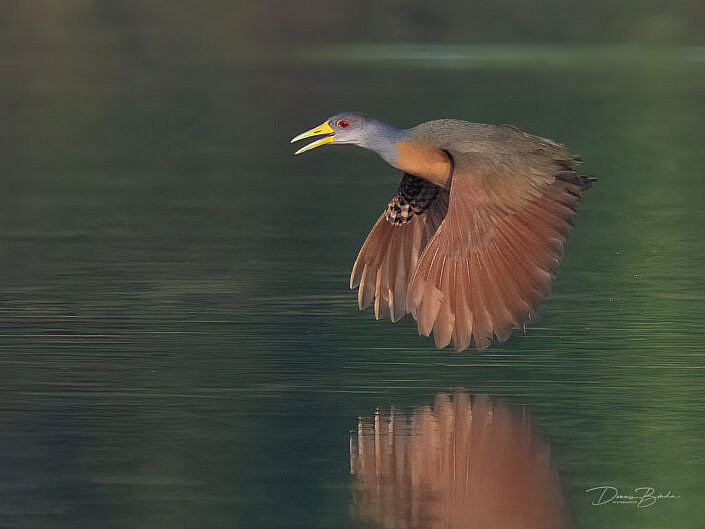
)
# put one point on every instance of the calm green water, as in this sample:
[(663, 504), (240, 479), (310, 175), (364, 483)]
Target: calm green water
[(178, 345)]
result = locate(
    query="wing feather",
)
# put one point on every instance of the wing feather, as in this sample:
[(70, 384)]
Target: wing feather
[(390, 254), (493, 258)]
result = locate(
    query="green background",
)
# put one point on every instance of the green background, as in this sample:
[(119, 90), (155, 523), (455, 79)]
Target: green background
[(178, 345)]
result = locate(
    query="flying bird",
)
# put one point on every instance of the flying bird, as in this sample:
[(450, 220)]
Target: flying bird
[(473, 237)]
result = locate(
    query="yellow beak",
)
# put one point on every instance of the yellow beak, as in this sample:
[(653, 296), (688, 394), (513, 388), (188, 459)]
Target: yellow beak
[(323, 128)]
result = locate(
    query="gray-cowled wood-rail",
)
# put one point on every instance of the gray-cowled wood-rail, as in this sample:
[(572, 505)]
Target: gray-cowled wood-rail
[(473, 237)]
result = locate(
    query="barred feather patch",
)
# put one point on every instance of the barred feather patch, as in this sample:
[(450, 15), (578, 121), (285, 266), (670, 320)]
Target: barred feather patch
[(412, 198)]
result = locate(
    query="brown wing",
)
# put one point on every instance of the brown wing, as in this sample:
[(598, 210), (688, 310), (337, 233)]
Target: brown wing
[(494, 256), (392, 249)]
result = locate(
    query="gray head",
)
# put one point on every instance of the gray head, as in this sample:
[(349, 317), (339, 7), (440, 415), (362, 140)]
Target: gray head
[(355, 128)]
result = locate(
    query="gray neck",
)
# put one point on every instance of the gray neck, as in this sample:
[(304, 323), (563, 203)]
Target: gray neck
[(382, 139)]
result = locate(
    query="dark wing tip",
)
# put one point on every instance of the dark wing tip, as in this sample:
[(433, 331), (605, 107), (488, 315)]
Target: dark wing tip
[(581, 180), (588, 180)]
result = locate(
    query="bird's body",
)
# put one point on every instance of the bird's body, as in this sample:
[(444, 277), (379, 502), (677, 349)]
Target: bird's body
[(470, 243)]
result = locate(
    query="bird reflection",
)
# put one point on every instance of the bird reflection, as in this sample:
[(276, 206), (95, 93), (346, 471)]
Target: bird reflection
[(462, 464)]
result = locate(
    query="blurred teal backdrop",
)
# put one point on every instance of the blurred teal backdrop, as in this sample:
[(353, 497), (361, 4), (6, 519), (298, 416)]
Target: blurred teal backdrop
[(178, 346)]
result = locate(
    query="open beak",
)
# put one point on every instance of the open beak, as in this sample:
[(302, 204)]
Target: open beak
[(323, 128)]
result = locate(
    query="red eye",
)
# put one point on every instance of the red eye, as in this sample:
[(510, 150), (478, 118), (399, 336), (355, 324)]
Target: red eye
[(342, 123)]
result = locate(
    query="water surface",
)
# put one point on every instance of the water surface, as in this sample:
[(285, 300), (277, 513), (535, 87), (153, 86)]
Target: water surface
[(178, 344)]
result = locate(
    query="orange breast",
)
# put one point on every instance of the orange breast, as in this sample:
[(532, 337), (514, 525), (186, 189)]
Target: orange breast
[(424, 161)]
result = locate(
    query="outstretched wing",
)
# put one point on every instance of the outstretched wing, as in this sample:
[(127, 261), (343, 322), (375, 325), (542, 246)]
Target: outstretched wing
[(392, 249), (494, 256)]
